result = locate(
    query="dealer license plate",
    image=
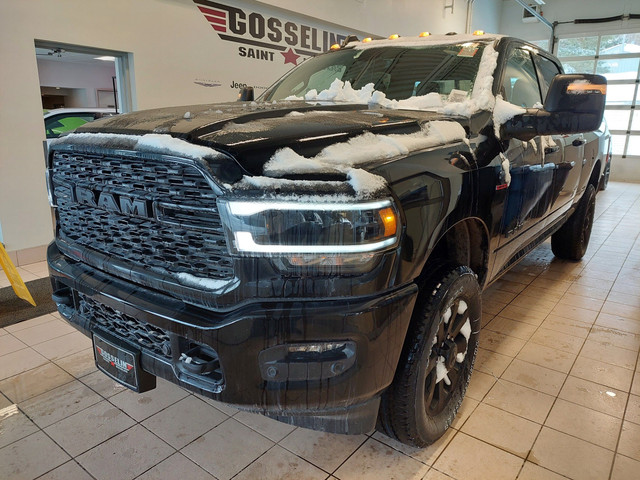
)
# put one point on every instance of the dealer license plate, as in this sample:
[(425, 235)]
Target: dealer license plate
[(117, 362)]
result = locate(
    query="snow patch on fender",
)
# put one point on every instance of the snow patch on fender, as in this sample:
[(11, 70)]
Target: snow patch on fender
[(505, 168), (504, 111)]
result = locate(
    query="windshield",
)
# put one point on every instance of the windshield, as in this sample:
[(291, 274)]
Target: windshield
[(399, 72)]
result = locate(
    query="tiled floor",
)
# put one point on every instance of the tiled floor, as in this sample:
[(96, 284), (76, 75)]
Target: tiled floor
[(556, 393)]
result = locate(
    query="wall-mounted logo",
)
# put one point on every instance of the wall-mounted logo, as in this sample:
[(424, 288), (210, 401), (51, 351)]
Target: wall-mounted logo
[(207, 83), (267, 38)]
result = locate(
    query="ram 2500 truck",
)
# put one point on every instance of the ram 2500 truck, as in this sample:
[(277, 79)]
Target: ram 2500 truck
[(318, 255)]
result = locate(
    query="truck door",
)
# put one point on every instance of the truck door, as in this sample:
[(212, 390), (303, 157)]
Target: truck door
[(569, 157), (528, 195)]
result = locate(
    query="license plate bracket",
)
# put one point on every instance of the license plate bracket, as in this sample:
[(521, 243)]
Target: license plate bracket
[(121, 363)]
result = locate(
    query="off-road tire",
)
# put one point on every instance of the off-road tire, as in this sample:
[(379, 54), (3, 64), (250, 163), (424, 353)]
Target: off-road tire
[(572, 240), (406, 411)]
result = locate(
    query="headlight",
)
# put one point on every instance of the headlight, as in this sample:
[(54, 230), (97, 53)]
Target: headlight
[(311, 234)]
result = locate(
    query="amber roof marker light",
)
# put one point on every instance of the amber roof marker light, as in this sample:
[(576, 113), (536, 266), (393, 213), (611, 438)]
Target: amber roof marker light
[(335, 46), (478, 32), (395, 36), (366, 40), (424, 34)]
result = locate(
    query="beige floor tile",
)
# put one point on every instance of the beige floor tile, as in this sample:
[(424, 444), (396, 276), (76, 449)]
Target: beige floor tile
[(572, 300), (557, 286), (102, 384), (136, 450), (635, 386), (491, 362), (468, 458), (513, 276), (610, 354), (570, 456), (525, 315), (9, 344), (602, 373), (624, 298), (519, 400), (594, 396), (281, 464), (376, 461), (536, 377), (63, 346), (595, 282), (89, 427), (619, 309), (538, 304), (464, 412), (504, 344), (625, 468), (3, 332), (616, 338), (507, 286), (546, 357), (45, 331), (561, 341), (513, 328), (34, 382), (595, 293), (531, 471), (29, 323), (630, 440), (14, 425), (498, 296), (542, 293), (61, 402), (4, 401), (632, 413), (272, 429), (434, 474), (20, 361), (584, 423), (79, 364), (427, 455), (492, 308), (184, 421), (619, 323), (479, 385), (566, 326), (143, 405), (68, 471), (227, 449), (325, 450), (17, 464), (227, 409), (176, 466), (501, 429)]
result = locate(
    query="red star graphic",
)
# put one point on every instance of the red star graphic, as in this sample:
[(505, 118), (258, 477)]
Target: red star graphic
[(290, 57)]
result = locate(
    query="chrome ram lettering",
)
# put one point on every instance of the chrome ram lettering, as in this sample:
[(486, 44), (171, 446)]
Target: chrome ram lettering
[(112, 202)]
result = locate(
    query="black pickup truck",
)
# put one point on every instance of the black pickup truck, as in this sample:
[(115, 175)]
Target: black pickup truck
[(318, 255)]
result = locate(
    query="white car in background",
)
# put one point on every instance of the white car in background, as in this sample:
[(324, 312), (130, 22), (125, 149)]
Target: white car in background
[(62, 120)]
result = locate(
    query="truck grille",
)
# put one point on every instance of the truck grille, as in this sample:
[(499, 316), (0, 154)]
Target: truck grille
[(139, 333), (174, 228)]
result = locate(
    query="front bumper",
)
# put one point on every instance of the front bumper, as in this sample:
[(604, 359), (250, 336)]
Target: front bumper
[(316, 389)]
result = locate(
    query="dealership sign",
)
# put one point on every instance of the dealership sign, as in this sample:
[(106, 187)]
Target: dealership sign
[(265, 37)]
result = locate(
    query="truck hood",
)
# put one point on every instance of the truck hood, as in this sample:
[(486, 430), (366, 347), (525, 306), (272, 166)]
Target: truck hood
[(252, 132)]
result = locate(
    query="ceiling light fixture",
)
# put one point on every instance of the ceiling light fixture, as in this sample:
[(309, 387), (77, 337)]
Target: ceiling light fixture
[(105, 58)]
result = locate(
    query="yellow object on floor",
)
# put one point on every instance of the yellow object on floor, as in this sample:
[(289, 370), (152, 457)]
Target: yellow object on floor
[(14, 277)]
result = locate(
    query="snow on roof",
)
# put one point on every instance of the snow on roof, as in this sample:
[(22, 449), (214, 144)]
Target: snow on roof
[(430, 40)]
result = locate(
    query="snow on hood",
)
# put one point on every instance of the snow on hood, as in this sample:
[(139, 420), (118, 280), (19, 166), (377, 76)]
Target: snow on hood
[(343, 157), (422, 41), (151, 142)]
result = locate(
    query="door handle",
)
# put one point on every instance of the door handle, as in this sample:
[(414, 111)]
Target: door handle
[(578, 142), (553, 149)]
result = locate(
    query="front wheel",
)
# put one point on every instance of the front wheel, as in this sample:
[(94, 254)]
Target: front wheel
[(437, 359)]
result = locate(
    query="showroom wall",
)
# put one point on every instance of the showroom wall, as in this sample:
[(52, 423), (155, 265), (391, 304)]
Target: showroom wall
[(177, 57)]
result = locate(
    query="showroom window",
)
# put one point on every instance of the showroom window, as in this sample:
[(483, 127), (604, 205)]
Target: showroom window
[(617, 57)]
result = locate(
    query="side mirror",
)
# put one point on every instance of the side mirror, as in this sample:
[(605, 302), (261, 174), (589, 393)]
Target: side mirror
[(246, 94), (574, 104)]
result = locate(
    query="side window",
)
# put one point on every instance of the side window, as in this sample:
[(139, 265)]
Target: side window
[(520, 82), (548, 70)]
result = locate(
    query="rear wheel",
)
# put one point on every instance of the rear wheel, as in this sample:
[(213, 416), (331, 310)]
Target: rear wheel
[(437, 359), (572, 240)]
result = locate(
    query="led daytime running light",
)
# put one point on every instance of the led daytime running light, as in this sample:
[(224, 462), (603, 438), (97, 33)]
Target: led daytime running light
[(245, 243)]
